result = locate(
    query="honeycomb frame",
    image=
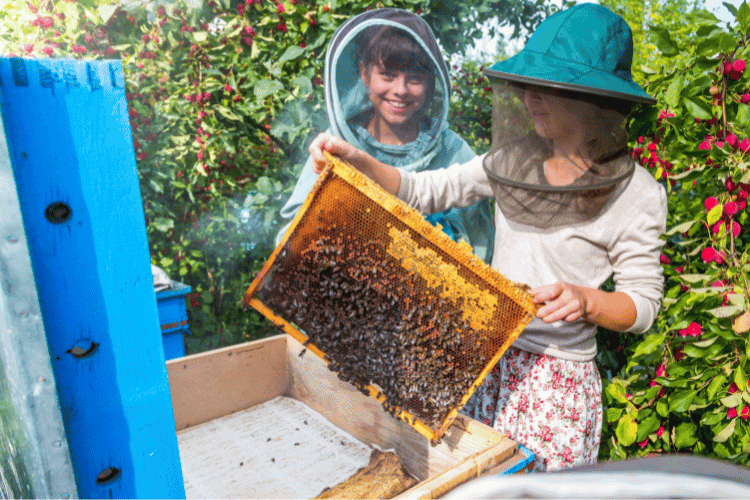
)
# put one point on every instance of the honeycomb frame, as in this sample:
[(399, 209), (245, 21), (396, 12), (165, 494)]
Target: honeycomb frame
[(446, 270)]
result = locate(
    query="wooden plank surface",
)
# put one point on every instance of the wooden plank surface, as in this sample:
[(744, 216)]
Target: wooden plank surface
[(364, 418), (213, 384)]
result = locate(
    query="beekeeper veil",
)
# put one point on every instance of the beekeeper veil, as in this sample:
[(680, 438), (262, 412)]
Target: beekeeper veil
[(559, 125)]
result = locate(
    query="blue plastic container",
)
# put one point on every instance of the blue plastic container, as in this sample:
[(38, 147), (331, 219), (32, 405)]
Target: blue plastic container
[(173, 319), (525, 465)]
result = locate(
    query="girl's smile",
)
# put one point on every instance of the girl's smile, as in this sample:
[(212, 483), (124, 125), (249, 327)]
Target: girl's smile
[(397, 97)]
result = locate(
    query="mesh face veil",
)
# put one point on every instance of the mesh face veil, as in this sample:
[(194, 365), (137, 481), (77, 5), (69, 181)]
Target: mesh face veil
[(557, 157)]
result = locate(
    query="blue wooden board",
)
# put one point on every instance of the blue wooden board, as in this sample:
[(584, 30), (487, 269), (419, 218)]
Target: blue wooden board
[(70, 144)]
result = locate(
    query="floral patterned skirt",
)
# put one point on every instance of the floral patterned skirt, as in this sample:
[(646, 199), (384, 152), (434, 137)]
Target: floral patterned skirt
[(549, 405)]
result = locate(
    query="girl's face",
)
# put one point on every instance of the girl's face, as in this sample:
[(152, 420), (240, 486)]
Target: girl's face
[(396, 98), (549, 111)]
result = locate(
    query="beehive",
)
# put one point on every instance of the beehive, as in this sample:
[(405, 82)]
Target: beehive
[(395, 306)]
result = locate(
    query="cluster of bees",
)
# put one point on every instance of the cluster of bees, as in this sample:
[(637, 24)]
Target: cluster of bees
[(379, 324)]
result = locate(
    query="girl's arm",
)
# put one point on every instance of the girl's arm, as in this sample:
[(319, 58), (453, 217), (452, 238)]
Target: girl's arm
[(387, 176), (567, 302)]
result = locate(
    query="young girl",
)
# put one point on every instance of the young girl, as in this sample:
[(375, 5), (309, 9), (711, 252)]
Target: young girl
[(572, 209), (387, 93)]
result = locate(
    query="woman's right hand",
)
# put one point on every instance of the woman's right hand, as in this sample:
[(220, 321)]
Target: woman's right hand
[(334, 145), (387, 176)]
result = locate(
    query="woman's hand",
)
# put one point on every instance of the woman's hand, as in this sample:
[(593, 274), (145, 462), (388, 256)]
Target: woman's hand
[(387, 176), (562, 301), (567, 302), (335, 146)]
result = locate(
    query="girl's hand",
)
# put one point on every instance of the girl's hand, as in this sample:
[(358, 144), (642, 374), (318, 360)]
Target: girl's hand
[(562, 301), (332, 144), (387, 176)]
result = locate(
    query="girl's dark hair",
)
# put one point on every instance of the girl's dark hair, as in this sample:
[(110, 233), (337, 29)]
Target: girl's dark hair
[(393, 49)]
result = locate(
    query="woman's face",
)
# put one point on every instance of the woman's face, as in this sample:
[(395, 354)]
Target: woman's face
[(551, 114), (396, 96)]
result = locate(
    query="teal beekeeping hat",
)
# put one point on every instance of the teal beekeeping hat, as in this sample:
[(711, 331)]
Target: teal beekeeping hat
[(586, 48)]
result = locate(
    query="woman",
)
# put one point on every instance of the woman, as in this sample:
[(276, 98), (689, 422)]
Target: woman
[(572, 210), (388, 92)]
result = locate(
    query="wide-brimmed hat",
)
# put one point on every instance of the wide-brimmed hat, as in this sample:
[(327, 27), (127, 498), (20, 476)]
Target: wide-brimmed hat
[(586, 48)]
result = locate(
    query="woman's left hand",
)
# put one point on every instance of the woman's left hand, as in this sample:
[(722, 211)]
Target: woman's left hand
[(561, 301)]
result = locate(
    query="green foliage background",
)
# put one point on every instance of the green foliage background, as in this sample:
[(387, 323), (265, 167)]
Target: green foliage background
[(223, 99)]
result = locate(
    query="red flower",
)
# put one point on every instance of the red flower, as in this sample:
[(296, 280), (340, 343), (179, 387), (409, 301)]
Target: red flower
[(664, 259), (683, 332), (732, 388), (745, 413), (738, 65), (694, 329), (736, 228), (280, 7), (710, 202), (730, 209), (679, 354), (730, 184), (660, 432), (661, 370), (720, 257), (227, 88), (745, 145), (745, 98), (705, 145), (46, 22), (643, 443), (732, 413), (708, 254)]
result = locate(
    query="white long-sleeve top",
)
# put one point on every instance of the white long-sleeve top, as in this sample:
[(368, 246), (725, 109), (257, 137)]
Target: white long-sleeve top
[(623, 242)]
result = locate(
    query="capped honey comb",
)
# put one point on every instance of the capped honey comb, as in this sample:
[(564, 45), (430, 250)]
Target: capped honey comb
[(395, 306)]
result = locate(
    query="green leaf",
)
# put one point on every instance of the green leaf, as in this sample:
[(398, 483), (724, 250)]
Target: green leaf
[(743, 16), (740, 378), (708, 47), (227, 113), (200, 36), (163, 224), (672, 94), (680, 401), (304, 84), (663, 41), (293, 52), (662, 408), (681, 228), (732, 400), (647, 426), (71, 14), (613, 414), (106, 11), (649, 344), (726, 433), (685, 435), (697, 109), (726, 311), (626, 430), (695, 278), (264, 88), (706, 343), (715, 214)]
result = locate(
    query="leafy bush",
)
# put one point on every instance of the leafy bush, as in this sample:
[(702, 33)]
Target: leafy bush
[(222, 99), (683, 387)]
